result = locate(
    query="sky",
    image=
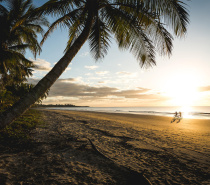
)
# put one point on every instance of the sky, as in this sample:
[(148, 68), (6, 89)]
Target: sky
[(119, 81)]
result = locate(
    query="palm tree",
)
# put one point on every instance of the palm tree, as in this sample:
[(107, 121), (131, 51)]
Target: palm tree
[(137, 25), (18, 33)]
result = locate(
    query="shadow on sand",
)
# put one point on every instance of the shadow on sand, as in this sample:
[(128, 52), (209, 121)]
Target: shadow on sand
[(62, 160)]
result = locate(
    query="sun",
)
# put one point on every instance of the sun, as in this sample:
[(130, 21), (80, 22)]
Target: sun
[(182, 89)]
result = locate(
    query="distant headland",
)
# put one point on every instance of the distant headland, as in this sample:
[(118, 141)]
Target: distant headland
[(58, 105)]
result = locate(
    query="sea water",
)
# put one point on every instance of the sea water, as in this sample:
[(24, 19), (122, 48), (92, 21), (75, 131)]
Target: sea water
[(197, 112)]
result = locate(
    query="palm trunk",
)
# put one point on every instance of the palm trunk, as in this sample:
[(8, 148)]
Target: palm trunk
[(45, 83)]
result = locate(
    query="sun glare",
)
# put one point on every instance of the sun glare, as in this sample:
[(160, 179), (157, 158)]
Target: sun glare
[(182, 89), (186, 111)]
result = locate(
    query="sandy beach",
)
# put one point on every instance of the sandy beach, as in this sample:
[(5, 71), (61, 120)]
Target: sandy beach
[(104, 148)]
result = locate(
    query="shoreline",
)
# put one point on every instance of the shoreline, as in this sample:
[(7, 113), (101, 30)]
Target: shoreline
[(204, 124), (120, 110)]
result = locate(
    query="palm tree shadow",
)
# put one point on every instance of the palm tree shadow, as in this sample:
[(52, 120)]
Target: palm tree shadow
[(132, 177), (58, 164)]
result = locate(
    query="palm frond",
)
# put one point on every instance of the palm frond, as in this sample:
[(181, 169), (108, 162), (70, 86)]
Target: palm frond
[(99, 39), (172, 13), (65, 21), (129, 35), (29, 36), (36, 28), (3, 10), (19, 48), (55, 7), (161, 38)]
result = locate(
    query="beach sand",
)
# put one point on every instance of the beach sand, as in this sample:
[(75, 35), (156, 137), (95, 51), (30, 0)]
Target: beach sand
[(126, 145)]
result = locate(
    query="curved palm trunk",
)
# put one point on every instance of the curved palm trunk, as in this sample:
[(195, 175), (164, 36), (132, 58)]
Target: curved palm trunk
[(45, 83)]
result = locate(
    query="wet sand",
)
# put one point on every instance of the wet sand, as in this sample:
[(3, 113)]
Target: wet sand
[(168, 153)]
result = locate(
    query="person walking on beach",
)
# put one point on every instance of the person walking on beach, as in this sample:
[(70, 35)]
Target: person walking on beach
[(180, 114), (179, 117), (175, 117)]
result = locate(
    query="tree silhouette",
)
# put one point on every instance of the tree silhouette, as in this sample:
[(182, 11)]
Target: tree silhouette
[(18, 33)]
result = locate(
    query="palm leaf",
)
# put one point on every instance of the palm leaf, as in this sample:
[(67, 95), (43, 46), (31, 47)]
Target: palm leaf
[(99, 39), (55, 7), (172, 12), (66, 20)]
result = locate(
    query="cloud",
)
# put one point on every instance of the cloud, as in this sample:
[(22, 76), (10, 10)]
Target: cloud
[(68, 88), (101, 82), (67, 69), (84, 54), (102, 73), (42, 65), (91, 67), (66, 80), (203, 89), (124, 73), (69, 80), (73, 91)]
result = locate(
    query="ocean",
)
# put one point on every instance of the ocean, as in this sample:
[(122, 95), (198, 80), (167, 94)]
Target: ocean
[(197, 112)]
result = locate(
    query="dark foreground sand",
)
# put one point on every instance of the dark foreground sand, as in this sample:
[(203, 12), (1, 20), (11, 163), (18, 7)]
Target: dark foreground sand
[(62, 153)]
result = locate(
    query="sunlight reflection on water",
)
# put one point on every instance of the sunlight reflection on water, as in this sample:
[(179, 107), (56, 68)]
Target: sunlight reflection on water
[(186, 112)]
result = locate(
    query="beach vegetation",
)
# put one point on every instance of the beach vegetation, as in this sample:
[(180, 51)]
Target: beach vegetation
[(140, 26), (10, 94), (19, 132)]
